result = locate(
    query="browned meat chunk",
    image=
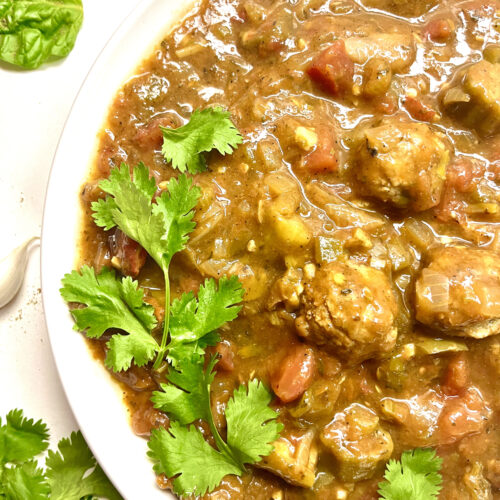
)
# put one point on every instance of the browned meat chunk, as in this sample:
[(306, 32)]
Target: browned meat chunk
[(434, 419), (459, 292), (403, 164), (349, 309), (476, 100), (358, 442), (294, 458)]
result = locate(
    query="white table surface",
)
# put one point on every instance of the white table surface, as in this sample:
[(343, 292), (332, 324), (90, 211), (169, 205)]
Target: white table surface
[(33, 109)]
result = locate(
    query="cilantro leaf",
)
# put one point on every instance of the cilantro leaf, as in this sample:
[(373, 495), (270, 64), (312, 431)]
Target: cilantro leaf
[(193, 319), (71, 474), (21, 439), (161, 228), (183, 452), (176, 205), (251, 424), (68, 472), (103, 208), (416, 476), (25, 482), (207, 129), (113, 303), (133, 212), (187, 397), (103, 212), (251, 428)]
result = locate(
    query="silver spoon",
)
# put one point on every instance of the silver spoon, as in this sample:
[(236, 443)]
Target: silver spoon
[(12, 269)]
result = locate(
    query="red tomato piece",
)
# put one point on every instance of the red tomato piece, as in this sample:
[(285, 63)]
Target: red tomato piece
[(439, 30), (226, 357), (149, 136), (418, 110), (456, 375), (323, 158), (462, 175), (463, 415), (131, 255), (332, 69), (295, 374)]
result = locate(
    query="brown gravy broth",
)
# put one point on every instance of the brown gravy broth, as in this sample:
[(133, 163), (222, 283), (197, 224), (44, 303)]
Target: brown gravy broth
[(338, 213)]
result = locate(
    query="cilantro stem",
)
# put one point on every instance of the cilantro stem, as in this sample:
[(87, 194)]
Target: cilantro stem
[(166, 321), (221, 444)]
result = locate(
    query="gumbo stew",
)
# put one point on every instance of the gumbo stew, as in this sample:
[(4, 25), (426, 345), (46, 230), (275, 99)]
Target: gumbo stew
[(360, 212)]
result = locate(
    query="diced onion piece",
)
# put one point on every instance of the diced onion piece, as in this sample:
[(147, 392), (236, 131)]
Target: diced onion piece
[(208, 221), (436, 289), (399, 254), (419, 234), (438, 346), (455, 95), (190, 50)]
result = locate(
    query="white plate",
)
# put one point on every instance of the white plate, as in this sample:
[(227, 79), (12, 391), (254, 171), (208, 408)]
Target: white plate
[(93, 396)]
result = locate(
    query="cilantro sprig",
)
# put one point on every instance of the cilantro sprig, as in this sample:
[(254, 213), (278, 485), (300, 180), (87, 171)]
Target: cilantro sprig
[(161, 224), (251, 424), (182, 450), (208, 129), (415, 476), (71, 473)]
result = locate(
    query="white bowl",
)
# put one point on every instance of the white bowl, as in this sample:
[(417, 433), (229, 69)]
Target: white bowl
[(95, 399)]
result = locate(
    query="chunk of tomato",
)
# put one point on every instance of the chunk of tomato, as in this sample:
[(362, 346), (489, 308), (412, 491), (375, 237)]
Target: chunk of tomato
[(439, 30), (456, 375), (324, 156), (463, 415), (131, 255), (332, 69), (419, 110), (295, 374)]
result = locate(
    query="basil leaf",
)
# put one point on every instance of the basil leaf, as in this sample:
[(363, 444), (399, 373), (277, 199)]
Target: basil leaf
[(33, 31)]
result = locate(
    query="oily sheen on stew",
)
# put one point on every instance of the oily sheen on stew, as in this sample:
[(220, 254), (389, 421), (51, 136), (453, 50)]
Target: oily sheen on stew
[(359, 211)]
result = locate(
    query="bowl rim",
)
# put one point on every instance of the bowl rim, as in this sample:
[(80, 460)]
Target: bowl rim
[(109, 72)]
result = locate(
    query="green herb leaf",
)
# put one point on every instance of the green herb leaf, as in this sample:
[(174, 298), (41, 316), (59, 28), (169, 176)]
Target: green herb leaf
[(415, 477), (206, 130), (187, 397), (21, 439), (73, 472), (251, 424), (103, 212), (193, 319), (251, 428), (183, 452), (113, 303), (33, 31), (176, 205), (161, 228), (25, 482)]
